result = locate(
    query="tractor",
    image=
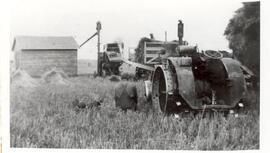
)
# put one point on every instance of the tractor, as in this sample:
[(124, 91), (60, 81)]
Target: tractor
[(185, 78)]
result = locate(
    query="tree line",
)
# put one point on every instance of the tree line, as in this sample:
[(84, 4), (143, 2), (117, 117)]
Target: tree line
[(243, 34)]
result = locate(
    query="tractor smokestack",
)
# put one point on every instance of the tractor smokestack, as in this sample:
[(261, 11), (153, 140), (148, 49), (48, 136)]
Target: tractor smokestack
[(180, 31)]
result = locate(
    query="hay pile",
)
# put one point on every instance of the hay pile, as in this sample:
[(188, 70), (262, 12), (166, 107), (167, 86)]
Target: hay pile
[(21, 78), (55, 76)]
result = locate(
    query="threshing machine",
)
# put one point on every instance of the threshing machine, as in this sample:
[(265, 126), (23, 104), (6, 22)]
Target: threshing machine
[(110, 59)]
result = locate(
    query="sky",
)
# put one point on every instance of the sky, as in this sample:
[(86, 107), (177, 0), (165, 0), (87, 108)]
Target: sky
[(124, 20)]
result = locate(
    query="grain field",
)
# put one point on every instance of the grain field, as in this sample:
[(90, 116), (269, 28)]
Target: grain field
[(43, 117)]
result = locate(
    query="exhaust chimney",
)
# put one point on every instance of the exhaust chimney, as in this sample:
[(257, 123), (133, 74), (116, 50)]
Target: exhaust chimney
[(180, 31)]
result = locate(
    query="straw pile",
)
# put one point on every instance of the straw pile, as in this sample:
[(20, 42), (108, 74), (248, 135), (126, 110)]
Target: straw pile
[(22, 79), (56, 76)]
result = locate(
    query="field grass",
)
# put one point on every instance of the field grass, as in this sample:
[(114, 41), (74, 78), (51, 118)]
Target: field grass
[(44, 117)]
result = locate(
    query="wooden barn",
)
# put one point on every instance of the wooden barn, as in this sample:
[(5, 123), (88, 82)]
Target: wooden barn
[(38, 54)]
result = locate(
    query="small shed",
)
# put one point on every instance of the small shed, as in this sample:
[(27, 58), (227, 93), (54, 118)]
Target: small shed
[(38, 54)]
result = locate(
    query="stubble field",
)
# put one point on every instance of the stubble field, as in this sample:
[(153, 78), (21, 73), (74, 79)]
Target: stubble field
[(43, 117)]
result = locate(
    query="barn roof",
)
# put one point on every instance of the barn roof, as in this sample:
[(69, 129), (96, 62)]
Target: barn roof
[(44, 42)]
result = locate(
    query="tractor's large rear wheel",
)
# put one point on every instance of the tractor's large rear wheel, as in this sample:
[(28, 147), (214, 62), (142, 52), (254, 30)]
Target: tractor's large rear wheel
[(159, 96), (164, 98)]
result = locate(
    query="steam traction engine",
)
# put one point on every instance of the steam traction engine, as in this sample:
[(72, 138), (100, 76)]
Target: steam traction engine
[(187, 79)]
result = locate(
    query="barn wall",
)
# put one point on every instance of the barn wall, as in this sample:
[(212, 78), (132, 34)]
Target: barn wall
[(37, 62)]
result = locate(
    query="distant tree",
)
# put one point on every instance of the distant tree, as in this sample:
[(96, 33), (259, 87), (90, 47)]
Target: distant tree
[(243, 34)]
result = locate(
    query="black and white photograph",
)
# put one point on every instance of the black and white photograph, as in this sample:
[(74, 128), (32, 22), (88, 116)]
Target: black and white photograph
[(134, 75)]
